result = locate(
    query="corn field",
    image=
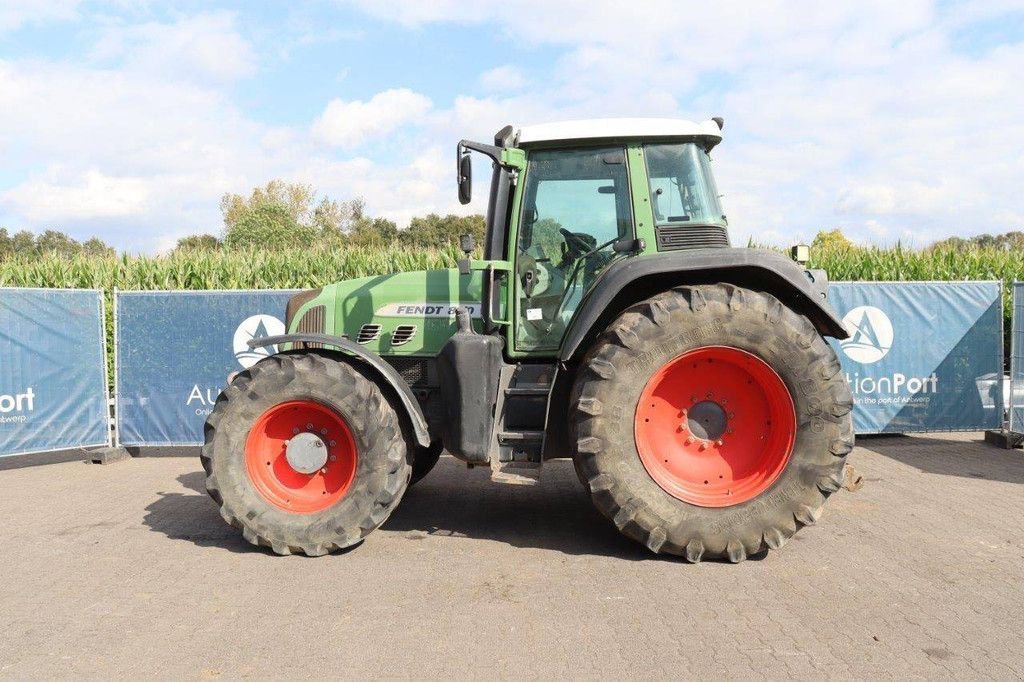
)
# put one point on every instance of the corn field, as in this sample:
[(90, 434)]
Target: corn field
[(298, 269)]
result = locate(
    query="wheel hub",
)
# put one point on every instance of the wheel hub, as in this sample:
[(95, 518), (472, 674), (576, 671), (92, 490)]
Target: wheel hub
[(707, 420), (306, 453), (715, 426), (301, 456)]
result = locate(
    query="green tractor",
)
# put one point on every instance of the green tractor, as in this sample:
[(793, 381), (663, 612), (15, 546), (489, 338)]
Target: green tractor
[(609, 322)]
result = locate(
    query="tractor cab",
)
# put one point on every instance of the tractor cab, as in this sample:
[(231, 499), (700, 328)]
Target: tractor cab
[(568, 199)]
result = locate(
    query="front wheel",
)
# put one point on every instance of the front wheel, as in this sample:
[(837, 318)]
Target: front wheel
[(711, 421), (304, 454)]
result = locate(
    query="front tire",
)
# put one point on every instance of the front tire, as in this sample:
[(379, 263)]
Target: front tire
[(711, 422), (342, 479)]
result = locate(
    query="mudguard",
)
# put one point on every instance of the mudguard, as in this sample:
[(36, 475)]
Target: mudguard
[(634, 279), (375, 362)]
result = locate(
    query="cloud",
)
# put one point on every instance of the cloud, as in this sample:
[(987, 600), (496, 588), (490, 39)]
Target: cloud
[(15, 14), (503, 79), (884, 119), (206, 46), (87, 195), (349, 124)]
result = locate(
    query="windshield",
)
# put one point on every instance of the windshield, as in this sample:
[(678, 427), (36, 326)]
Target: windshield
[(683, 190)]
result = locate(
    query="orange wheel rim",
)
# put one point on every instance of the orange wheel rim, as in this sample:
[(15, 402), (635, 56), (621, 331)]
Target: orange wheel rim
[(715, 426), (274, 475)]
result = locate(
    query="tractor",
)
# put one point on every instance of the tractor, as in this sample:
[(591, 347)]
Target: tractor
[(608, 321)]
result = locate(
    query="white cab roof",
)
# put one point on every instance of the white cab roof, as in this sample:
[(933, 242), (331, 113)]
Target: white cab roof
[(617, 128)]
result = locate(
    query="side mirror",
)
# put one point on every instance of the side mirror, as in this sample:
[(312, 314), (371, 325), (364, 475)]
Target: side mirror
[(467, 244), (465, 178)]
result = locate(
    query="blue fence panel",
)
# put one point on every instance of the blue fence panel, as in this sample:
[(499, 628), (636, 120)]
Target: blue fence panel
[(922, 356), (174, 351), (1017, 360), (53, 371)]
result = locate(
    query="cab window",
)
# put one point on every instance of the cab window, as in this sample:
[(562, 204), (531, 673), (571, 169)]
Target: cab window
[(575, 207)]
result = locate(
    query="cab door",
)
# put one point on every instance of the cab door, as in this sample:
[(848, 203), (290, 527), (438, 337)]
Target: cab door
[(575, 204)]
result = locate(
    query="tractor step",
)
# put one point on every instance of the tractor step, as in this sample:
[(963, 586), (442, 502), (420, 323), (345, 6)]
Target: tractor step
[(534, 391), (516, 473), (520, 437)]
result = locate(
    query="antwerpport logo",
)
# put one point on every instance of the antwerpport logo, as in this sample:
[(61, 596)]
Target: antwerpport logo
[(871, 334), (255, 327)]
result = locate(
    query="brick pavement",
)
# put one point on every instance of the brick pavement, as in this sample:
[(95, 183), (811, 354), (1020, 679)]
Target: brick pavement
[(127, 570)]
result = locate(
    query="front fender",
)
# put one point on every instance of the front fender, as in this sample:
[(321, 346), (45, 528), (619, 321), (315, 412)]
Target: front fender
[(384, 371), (627, 281)]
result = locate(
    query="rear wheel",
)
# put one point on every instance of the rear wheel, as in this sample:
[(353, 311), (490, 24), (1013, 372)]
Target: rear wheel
[(711, 421), (304, 454)]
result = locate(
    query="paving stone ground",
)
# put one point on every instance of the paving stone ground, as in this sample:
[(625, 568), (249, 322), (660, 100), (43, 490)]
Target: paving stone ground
[(128, 570)]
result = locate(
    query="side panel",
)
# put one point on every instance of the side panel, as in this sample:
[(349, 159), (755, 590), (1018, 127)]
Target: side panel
[(402, 314)]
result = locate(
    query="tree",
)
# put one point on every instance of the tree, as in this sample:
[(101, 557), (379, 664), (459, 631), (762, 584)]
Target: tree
[(52, 241), (198, 242), (287, 206), (831, 240), (6, 245), (436, 231), (269, 226), (373, 232), (94, 246), (24, 243)]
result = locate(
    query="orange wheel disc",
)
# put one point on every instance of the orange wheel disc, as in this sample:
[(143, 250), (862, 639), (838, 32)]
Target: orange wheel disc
[(715, 426), (301, 456)]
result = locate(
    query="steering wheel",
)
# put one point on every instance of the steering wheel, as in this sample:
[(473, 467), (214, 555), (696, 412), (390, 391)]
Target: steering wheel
[(576, 239)]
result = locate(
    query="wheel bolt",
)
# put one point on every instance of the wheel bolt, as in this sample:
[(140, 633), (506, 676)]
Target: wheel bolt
[(324, 470), (689, 440), (719, 442), (332, 443), (309, 427), (333, 458), (323, 432), (703, 445), (295, 431)]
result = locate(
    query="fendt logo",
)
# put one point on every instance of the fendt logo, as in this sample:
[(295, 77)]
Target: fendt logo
[(255, 327), (871, 334)]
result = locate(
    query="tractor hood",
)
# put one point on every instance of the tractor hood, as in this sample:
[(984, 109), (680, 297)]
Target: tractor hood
[(406, 313)]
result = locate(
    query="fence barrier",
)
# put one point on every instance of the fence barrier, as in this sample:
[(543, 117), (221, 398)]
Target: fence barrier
[(174, 351), (1017, 360), (922, 356), (53, 371)]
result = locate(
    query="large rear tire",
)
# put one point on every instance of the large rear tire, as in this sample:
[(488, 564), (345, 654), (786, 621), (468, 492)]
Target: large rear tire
[(711, 422), (342, 478)]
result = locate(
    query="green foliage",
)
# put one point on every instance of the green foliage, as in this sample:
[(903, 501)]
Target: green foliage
[(24, 244), (283, 213), (269, 226), (1011, 241), (439, 232), (198, 242), (830, 239)]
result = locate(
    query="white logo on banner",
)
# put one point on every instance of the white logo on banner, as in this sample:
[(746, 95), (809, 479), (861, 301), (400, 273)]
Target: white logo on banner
[(255, 327), (19, 404), (871, 334)]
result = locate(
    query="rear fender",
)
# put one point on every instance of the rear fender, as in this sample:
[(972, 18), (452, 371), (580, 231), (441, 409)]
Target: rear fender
[(634, 279)]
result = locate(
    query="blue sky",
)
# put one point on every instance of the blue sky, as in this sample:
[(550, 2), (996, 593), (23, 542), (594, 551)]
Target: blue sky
[(130, 119)]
